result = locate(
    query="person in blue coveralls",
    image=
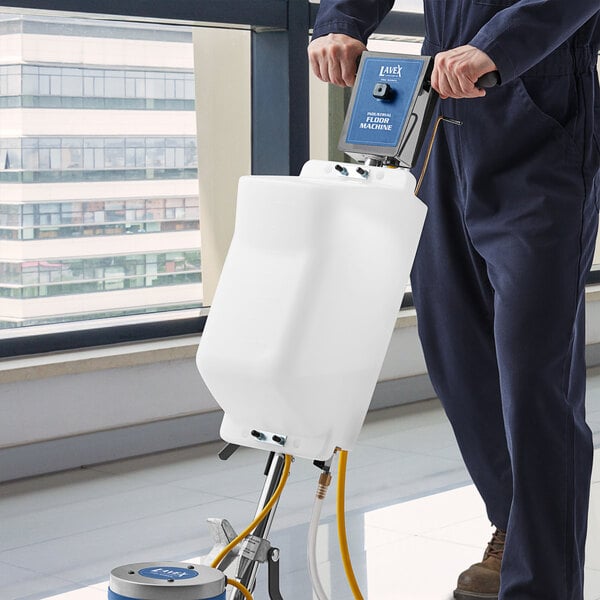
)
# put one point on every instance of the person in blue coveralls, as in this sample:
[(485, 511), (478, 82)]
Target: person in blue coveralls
[(498, 282)]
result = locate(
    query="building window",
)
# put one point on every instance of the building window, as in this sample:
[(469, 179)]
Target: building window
[(27, 159), (41, 86), (74, 219), (59, 277)]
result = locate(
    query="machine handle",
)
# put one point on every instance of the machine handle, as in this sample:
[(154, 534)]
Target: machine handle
[(489, 80)]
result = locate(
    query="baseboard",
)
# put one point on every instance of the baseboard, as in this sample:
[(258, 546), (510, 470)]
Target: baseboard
[(103, 446)]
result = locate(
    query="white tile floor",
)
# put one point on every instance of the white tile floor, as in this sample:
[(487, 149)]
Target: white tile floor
[(409, 500)]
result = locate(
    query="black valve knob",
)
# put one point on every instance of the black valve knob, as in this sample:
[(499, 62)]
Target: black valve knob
[(383, 91)]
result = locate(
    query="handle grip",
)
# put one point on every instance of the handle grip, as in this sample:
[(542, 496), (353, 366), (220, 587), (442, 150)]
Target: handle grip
[(489, 80)]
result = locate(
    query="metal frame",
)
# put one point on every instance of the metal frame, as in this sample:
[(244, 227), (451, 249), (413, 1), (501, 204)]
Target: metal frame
[(104, 336), (280, 95), (280, 143), (231, 13)]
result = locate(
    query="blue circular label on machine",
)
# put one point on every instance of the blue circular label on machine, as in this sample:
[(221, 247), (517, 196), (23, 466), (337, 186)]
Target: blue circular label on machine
[(167, 573)]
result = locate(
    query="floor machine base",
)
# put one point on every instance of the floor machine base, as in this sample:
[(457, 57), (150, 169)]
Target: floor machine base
[(188, 581), (166, 581)]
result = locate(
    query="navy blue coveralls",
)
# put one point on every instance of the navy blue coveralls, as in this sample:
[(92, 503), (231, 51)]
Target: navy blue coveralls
[(498, 281)]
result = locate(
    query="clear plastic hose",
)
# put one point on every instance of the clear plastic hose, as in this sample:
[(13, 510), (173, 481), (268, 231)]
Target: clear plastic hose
[(312, 549)]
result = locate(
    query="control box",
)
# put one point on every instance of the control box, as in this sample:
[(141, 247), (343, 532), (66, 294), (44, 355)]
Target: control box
[(390, 109)]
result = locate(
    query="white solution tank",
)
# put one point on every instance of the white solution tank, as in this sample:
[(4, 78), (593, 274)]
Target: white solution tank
[(306, 304)]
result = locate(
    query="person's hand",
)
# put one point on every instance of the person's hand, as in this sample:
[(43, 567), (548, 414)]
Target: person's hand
[(456, 71), (333, 58)]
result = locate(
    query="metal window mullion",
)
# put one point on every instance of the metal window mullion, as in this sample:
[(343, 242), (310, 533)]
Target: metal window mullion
[(280, 139), (240, 13)]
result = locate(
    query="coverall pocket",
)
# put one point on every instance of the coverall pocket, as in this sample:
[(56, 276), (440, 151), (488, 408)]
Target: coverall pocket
[(553, 100)]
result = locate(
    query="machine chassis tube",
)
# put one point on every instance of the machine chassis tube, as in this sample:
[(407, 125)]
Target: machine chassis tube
[(246, 572)]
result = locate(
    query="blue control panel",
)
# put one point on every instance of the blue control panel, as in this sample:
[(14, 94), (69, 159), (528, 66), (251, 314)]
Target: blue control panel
[(390, 108), (384, 97)]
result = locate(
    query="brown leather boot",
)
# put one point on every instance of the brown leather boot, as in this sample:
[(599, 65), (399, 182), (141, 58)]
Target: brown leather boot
[(481, 581)]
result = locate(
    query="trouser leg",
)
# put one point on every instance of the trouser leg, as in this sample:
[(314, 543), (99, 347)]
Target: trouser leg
[(498, 284), (454, 302), (537, 240), (539, 332)]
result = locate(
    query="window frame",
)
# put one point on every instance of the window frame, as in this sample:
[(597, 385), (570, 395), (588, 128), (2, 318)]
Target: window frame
[(104, 336)]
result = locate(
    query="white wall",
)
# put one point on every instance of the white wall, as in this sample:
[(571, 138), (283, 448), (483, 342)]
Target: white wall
[(37, 405)]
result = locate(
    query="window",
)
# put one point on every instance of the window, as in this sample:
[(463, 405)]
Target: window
[(109, 217), (39, 154), (99, 206), (39, 86)]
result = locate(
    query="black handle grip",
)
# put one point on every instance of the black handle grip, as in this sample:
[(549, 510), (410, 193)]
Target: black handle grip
[(489, 80)]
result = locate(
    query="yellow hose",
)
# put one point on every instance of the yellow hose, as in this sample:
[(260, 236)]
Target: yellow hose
[(341, 525), (239, 586), (263, 513)]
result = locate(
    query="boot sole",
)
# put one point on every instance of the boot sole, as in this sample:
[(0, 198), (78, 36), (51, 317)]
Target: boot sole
[(463, 595)]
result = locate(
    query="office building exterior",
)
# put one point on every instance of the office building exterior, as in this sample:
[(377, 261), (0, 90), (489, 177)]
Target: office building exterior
[(98, 171)]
